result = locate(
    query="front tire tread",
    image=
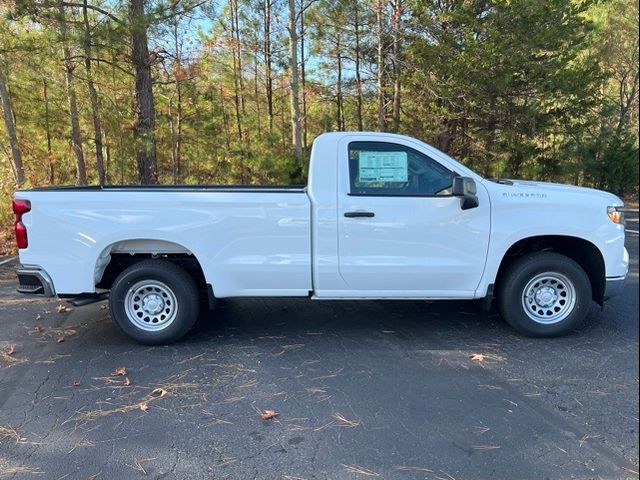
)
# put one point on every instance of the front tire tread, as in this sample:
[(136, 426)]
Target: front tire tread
[(516, 277)]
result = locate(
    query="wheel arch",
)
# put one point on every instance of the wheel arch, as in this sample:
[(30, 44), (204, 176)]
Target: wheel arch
[(583, 252), (121, 254)]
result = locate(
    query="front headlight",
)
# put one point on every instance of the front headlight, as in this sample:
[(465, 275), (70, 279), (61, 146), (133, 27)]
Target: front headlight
[(616, 214)]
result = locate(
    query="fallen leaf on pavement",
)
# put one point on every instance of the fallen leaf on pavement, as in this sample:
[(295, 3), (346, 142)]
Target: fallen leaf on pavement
[(103, 307), (482, 358), (60, 339), (137, 464), (63, 309), (268, 414), (477, 357), (127, 382), (144, 407), (360, 470), (119, 372), (159, 392), (484, 447), (11, 433), (7, 356), (76, 383), (38, 329)]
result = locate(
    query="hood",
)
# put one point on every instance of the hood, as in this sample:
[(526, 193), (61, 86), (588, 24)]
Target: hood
[(542, 188)]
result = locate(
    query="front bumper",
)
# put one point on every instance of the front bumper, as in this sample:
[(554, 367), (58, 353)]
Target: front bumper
[(34, 281), (614, 286)]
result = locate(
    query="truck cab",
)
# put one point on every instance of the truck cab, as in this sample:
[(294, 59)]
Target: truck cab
[(388, 223)]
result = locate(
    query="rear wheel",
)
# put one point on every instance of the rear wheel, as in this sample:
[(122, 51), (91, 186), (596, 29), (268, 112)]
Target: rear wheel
[(154, 302), (544, 294)]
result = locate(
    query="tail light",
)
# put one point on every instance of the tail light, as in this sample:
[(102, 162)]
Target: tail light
[(20, 207)]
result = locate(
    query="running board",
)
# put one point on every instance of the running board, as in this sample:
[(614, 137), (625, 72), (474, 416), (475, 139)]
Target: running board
[(88, 298)]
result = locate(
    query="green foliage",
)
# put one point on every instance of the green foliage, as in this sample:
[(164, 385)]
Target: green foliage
[(611, 163), (521, 88), (503, 78)]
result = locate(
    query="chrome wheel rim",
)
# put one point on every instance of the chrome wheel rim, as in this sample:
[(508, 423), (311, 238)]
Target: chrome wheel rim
[(151, 305), (549, 298)]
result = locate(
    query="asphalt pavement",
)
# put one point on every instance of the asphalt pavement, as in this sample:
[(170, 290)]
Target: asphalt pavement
[(363, 390)]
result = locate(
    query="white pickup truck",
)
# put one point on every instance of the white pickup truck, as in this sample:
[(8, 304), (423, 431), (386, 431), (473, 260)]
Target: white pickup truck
[(383, 217)]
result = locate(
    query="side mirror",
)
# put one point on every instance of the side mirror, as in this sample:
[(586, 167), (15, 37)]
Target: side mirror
[(465, 188)]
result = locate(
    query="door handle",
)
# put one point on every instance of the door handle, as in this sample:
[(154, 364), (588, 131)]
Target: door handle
[(359, 214)]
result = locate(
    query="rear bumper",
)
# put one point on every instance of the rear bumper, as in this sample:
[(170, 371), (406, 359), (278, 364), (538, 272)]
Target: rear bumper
[(34, 281), (614, 286)]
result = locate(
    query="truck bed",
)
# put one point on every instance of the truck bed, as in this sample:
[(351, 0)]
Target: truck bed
[(174, 188), (247, 245)]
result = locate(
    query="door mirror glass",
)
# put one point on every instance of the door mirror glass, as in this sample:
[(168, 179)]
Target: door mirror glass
[(465, 188)]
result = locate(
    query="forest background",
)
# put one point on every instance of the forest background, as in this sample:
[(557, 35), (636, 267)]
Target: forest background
[(234, 91)]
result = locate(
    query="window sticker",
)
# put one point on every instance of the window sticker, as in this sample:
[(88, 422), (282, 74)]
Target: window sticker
[(375, 167)]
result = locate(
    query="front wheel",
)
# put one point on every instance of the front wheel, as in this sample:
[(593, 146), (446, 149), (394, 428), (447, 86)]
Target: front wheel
[(154, 302), (544, 294)]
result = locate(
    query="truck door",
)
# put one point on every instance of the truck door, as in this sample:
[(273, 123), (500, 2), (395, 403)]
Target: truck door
[(401, 233)]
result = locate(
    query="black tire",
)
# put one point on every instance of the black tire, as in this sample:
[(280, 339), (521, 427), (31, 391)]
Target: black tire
[(167, 292), (537, 273)]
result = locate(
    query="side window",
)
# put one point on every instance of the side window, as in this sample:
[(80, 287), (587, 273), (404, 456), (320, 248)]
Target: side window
[(379, 168)]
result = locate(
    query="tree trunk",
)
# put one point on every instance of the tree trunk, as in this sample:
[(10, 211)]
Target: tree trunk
[(491, 126), (47, 125), (296, 134), (76, 134), (108, 151), (174, 142), (397, 15), (236, 72), (443, 141), (380, 65), (225, 121), (179, 120), (236, 29), (93, 96), (627, 98), (119, 158), (267, 62), (16, 154), (176, 130), (256, 92), (303, 79), (339, 96), (283, 122), (359, 95), (145, 125)]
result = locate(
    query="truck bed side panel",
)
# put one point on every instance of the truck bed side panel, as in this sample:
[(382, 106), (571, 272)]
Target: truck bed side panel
[(255, 243)]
